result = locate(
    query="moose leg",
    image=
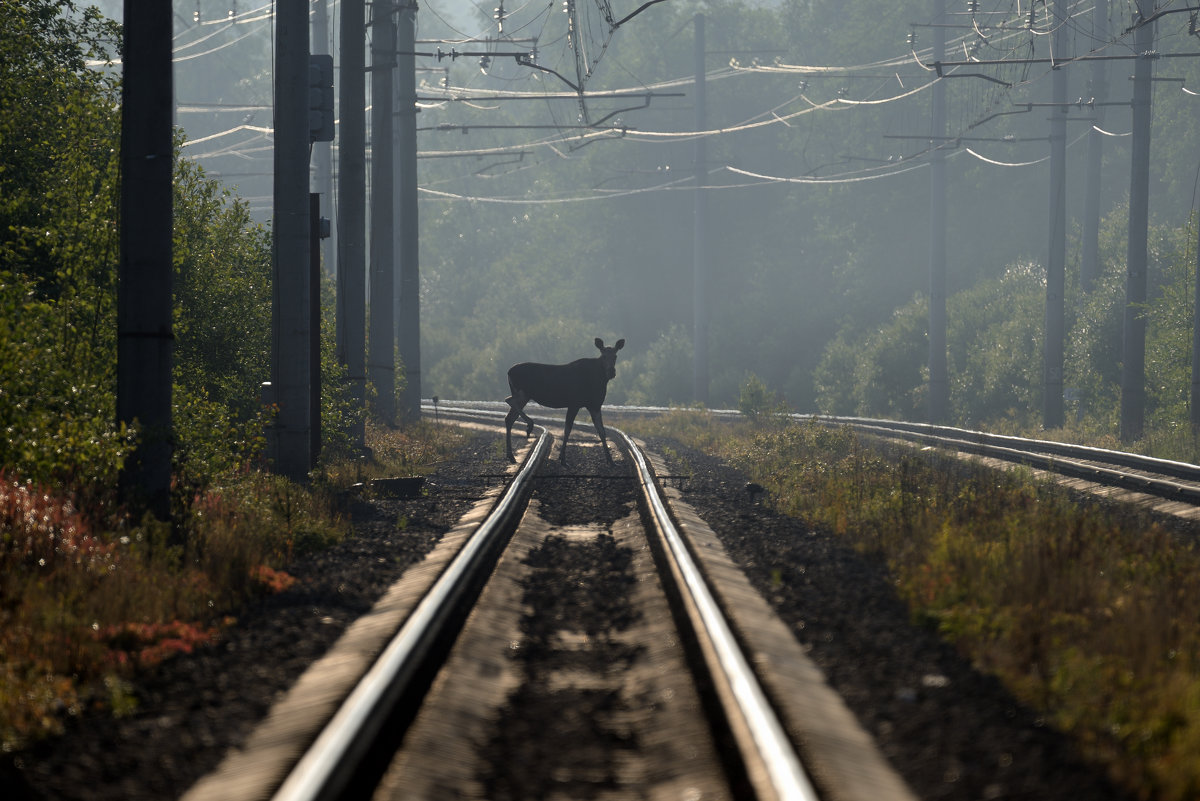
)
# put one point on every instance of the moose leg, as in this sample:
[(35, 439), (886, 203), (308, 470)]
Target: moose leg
[(571, 412), (516, 409), (598, 421)]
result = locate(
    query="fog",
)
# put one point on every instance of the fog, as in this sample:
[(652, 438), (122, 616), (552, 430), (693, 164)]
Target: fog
[(548, 218)]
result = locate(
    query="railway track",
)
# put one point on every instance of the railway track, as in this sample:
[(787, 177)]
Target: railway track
[(1176, 481), (645, 663), (1176, 484)]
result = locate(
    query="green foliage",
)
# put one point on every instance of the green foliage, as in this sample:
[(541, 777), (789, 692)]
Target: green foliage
[(58, 252), (881, 373), (222, 324), (1095, 344), (212, 442), (995, 349), (994, 344), (756, 400), (56, 418), (222, 292), (58, 151), (663, 374)]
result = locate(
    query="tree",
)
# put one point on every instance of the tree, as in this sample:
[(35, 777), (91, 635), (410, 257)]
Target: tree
[(58, 164)]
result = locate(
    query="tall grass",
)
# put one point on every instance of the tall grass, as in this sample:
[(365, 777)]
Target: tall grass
[(413, 450), (86, 603), (1089, 614)]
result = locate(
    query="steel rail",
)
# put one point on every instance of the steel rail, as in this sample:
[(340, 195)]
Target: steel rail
[(772, 763), (1059, 457), (330, 762), (1133, 461)]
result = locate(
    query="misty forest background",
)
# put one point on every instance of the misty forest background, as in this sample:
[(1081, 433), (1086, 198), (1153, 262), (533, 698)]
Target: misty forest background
[(817, 290), (537, 235)]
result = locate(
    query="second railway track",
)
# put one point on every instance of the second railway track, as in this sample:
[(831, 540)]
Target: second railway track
[(599, 659), (1176, 485)]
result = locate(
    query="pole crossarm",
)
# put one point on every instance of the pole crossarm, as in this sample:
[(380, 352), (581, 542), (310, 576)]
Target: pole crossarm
[(1055, 62), (554, 96), (527, 61)]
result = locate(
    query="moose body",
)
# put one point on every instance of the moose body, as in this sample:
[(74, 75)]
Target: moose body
[(581, 384)]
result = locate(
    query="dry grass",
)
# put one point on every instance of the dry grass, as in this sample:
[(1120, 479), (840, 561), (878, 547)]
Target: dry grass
[(1091, 616), (86, 603), (397, 453)]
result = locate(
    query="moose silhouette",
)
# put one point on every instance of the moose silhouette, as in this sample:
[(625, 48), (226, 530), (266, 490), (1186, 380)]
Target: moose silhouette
[(582, 383)]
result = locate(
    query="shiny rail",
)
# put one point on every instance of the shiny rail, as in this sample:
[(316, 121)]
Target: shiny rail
[(771, 762), (332, 760), (1100, 465)]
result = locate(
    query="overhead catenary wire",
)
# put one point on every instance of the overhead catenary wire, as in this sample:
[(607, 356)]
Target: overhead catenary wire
[(780, 114)]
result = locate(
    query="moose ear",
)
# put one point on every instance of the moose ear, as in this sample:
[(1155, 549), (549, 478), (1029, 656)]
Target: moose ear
[(599, 343), (620, 344)]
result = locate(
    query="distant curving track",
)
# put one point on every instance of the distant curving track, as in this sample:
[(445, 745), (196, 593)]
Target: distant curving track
[(1162, 478), (1176, 481), (583, 634), (645, 661)]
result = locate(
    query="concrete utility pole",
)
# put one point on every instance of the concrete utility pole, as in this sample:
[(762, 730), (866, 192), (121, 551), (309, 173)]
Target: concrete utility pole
[(322, 152), (145, 341), (1052, 374), (381, 350), (1133, 369), (314, 323), (291, 373), (939, 380), (408, 315), (1089, 269), (1196, 337), (700, 231), (351, 213)]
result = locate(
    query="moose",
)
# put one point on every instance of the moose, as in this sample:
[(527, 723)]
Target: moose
[(582, 383)]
